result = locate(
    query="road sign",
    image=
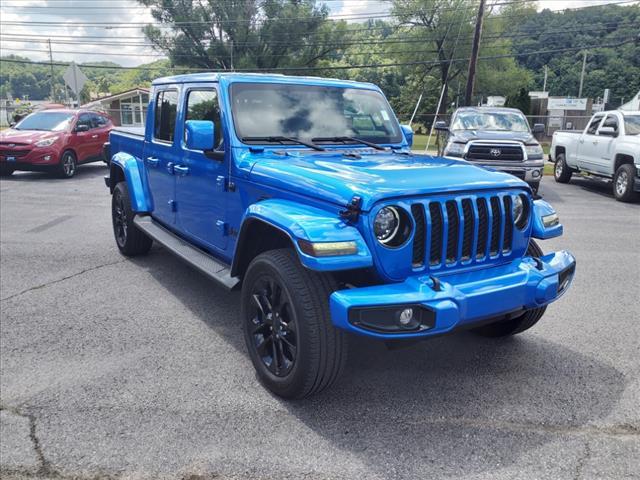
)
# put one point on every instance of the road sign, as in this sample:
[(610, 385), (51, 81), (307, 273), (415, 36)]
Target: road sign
[(74, 78)]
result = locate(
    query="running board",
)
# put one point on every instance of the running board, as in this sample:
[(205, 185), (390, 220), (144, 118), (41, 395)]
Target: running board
[(192, 255)]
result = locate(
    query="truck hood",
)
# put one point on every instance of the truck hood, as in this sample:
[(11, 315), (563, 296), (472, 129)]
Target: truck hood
[(464, 136), (25, 136), (335, 177)]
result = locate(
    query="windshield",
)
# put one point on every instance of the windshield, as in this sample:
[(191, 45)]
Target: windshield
[(309, 112), (632, 124), (48, 121), (476, 120)]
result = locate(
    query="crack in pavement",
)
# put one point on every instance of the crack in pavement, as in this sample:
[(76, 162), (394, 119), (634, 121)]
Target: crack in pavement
[(580, 464), (53, 282), (44, 468)]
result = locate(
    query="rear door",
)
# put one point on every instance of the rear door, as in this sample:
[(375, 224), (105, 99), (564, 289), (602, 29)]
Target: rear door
[(201, 179), (100, 134), (161, 153), (587, 145)]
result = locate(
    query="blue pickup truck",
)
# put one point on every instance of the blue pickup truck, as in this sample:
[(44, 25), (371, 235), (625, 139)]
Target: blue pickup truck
[(304, 193)]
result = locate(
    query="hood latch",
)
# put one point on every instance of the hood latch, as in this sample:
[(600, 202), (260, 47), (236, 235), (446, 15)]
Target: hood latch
[(352, 212)]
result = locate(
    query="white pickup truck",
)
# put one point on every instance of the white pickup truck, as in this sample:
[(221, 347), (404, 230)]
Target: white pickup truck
[(609, 147)]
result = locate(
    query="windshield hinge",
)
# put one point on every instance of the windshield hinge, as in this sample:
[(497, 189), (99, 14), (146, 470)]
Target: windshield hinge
[(352, 212)]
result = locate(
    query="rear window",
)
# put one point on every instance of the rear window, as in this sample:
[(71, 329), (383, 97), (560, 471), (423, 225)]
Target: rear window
[(165, 115)]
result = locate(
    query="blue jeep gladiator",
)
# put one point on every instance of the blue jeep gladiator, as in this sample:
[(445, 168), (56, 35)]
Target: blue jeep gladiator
[(304, 193)]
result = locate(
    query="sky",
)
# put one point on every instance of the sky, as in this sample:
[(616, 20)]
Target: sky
[(31, 40)]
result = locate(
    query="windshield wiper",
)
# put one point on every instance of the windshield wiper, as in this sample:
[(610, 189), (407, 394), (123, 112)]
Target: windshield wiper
[(281, 139), (345, 139)]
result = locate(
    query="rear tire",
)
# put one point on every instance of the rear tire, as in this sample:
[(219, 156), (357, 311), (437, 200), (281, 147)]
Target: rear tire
[(130, 240), (561, 171), (6, 171), (521, 323), (292, 343), (623, 183), (68, 165)]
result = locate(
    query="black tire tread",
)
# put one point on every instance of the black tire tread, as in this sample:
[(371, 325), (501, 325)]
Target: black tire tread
[(629, 195), (566, 170), (327, 344), (138, 243)]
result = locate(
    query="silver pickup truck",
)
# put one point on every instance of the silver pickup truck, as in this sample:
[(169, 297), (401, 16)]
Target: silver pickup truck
[(495, 137), (609, 147)]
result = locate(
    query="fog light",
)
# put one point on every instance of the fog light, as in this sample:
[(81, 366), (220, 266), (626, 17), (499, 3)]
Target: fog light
[(328, 249), (47, 158), (535, 173), (406, 316)]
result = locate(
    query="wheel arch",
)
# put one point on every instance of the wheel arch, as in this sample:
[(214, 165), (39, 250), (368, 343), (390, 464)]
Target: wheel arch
[(275, 223), (125, 167), (622, 159)]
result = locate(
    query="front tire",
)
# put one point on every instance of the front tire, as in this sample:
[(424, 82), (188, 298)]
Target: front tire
[(521, 323), (561, 171), (68, 165), (6, 171), (130, 240), (292, 343), (623, 183)]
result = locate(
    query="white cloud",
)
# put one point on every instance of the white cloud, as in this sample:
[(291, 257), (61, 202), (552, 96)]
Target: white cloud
[(67, 35), (563, 4)]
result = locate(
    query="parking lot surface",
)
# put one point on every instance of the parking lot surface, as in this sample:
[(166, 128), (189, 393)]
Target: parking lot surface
[(120, 368)]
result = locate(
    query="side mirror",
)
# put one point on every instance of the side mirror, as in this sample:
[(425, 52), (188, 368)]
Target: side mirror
[(538, 128), (82, 128), (408, 133), (199, 134), (441, 126), (12, 124), (608, 132)]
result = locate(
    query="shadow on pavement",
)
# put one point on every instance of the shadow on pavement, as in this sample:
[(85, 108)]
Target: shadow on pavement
[(454, 404)]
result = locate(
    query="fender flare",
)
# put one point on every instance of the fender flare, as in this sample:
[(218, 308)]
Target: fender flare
[(132, 170), (539, 231), (311, 224)]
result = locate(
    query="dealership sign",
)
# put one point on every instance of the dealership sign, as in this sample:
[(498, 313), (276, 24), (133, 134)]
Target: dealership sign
[(567, 104)]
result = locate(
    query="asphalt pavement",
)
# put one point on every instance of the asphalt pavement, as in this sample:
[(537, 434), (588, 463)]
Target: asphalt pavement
[(136, 369)]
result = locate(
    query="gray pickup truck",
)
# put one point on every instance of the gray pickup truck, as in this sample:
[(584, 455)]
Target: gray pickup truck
[(495, 137)]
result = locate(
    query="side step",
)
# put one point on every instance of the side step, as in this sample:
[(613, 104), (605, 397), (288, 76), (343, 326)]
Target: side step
[(196, 257)]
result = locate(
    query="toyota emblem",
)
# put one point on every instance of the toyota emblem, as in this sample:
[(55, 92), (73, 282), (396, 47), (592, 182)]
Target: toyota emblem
[(495, 152)]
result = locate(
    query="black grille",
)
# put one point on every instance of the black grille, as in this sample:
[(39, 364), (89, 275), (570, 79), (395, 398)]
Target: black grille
[(471, 229), (13, 153), (419, 240), (495, 152), (483, 228), (435, 247), (467, 234), (508, 226)]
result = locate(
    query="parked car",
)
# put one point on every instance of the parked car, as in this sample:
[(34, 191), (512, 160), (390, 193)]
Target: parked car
[(54, 141), (495, 137), (609, 147), (304, 193)]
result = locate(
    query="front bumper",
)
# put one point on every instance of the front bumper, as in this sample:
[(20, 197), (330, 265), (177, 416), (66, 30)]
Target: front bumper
[(530, 171), (460, 300), (33, 159)]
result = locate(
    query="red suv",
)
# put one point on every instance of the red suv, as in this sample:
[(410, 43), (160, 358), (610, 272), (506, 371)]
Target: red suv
[(54, 141)]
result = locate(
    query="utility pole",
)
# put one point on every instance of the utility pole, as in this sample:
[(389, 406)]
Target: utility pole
[(584, 66), (546, 72), (53, 92), (473, 61), (232, 55)]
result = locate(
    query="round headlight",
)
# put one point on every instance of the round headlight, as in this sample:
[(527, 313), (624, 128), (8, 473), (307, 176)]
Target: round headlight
[(520, 210), (386, 224)]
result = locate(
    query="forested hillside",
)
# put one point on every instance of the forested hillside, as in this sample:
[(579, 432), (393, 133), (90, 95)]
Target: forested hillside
[(420, 46)]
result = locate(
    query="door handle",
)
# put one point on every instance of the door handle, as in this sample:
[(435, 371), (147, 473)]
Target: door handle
[(595, 142), (181, 170), (152, 161), (94, 136), (581, 140)]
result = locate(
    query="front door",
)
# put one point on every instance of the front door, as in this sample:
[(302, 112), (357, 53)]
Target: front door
[(603, 153), (161, 153), (201, 180), (588, 145)]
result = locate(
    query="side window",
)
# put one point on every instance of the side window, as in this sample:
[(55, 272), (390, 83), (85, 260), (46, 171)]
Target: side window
[(85, 119), (165, 115), (99, 121), (611, 121), (593, 126), (203, 105)]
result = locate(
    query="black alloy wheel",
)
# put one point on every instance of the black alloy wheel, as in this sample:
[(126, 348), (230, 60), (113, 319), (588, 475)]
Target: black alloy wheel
[(274, 326)]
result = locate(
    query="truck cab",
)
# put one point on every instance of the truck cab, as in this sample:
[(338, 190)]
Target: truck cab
[(608, 148), (497, 138), (304, 194)]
